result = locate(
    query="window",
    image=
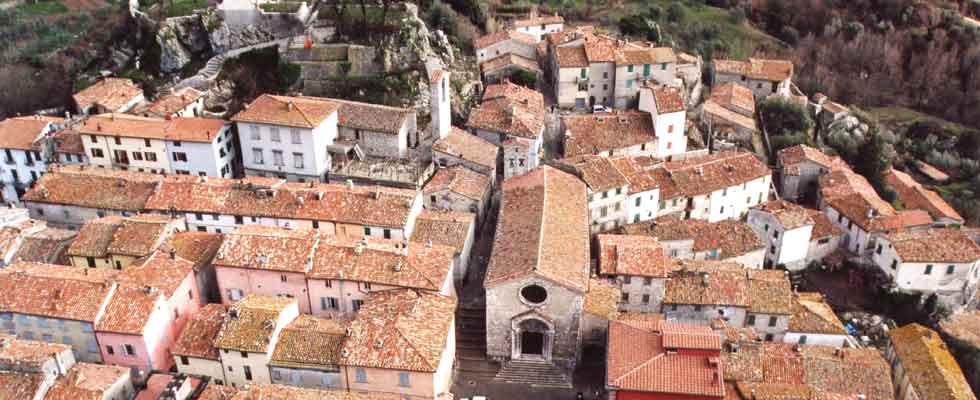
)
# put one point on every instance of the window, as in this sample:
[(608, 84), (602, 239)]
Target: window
[(772, 321), (244, 354), (928, 269), (387, 233), (367, 285), (198, 216), (627, 279), (328, 303), (117, 140), (94, 139), (277, 158), (130, 351), (769, 337), (750, 320), (255, 135), (327, 283), (298, 160), (248, 373), (646, 299), (629, 68), (109, 350), (66, 340), (179, 156), (638, 201), (282, 278), (697, 307), (47, 338), (629, 83), (583, 73), (367, 231), (775, 234), (356, 304), (151, 156), (663, 66), (90, 261), (360, 375), (605, 75), (625, 298), (146, 142), (646, 69), (137, 156), (403, 379), (950, 269), (647, 281), (295, 137), (257, 156), (274, 134), (803, 339), (184, 360), (239, 220), (97, 153)]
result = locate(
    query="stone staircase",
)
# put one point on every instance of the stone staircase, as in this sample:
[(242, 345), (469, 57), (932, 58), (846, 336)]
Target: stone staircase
[(471, 343), (533, 373)]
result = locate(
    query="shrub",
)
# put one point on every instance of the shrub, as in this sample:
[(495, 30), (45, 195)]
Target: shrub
[(442, 18), (853, 29), (736, 15), (784, 118), (790, 35), (676, 12), (524, 78)]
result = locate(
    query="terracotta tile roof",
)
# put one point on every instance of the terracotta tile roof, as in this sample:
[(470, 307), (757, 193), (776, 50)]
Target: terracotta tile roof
[(668, 99), (703, 175), (174, 102), (263, 391), (639, 173), (633, 256), (267, 248), (485, 41), (218, 392), (509, 60), (822, 227), (510, 109), (52, 297), (86, 381), (934, 245), (400, 329), (94, 188), (372, 117), (22, 133), (69, 142), (571, 57), (932, 172), (834, 107), (16, 385), (638, 360), (645, 55), (301, 112), (769, 292), (48, 245), (310, 342), (129, 310), (733, 238), (460, 180), (645, 321), (262, 197), (789, 215), (444, 228), (597, 133), (602, 299), (600, 49), (598, 173), (391, 263), (914, 195), (792, 156), (249, 324), (132, 236), (718, 111), (203, 130), (196, 247), (852, 195), (158, 271), (28, 353), (734, 96), (461, 144), (540, 20), (197, 337), (754, 68), (728, 288), (91, 275), (964, 326), (811, 314), (437, 75), (110, 93), (95, 236), (536, 237)]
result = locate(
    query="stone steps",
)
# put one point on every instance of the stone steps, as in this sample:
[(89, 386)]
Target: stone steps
[(536, 374)]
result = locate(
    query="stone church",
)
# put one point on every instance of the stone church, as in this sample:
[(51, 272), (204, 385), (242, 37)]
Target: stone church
[(538, 274)]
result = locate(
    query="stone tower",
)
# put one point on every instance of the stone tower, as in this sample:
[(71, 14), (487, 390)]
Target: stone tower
[(439, 102)]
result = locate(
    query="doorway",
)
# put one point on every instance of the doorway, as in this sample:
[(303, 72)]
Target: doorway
[(532, 343)]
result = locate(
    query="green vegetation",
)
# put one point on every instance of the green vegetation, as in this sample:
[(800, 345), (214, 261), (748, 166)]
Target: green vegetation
[(173, 8), (281, 7), (788, 124), (42, 8), (30, 33)]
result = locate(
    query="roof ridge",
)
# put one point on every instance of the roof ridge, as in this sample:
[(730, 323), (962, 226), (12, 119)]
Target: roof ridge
[(404, 337), (544, 208), (641, 366)]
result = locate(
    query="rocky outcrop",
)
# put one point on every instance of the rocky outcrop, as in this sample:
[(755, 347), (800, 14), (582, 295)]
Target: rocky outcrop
[(224, 38), (413, 44), (182, 39)]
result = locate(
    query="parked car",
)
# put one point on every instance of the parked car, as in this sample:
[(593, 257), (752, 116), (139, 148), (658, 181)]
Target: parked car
[(599, 108)]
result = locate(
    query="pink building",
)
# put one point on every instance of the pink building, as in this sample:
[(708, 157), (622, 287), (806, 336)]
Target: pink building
[(265, 261), (146, 314)]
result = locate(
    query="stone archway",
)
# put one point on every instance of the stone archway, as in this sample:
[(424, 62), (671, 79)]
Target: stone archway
[(532, 339)]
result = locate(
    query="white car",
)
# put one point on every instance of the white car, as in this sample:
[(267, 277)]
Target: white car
[(599, 108)]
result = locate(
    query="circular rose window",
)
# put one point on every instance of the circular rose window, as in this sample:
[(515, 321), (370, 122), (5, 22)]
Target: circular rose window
[(534, 294)]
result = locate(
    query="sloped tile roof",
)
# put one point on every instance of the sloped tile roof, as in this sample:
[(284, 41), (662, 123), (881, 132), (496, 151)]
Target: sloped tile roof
[(391, 263), (964, 326), (633, 256), (40, 270), (196, 247), (111, 93), (139, 235), (218, 392), (934, 245), (571, 57), (372, 117), (754, 68), (158, 271), (597, 133), (264, 391), (461, 144), (129, 310), (300, 112), (732, 237), (638, 360), (86, 381), (94, 237), (66, 298), (400, 329), (197, 337), (16, 385), (703, 175), (789, 215), (445, 228), (249, 324), (645, 55), (21, 133), (203, 130), (769, 292), (536, 236), (598, 173), (640, 173), (310, 342), (268, 248), (602, 299), (460, 180), (718, 111), (510, 109), (793, 156), (174, 102), (48, 245), (540, 20), (734, 96), (811, 314), (728, 288), (28, 353), (668, 99), (94, 188), (69, 142), (822, 227), (485, 41), (509, 60), (914, 195)]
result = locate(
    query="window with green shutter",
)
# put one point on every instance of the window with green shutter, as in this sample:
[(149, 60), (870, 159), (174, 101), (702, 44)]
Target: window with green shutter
[(646, 69), (629, 68), (663, 67), (629, 83), (583, 73)]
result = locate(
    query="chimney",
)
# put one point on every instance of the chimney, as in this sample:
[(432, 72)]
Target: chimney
[(173, 254), (871, 213), (300, 200), (233, 313), (705, 279), (398, 266), (289, 105), (699, 171), (350, 184)]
